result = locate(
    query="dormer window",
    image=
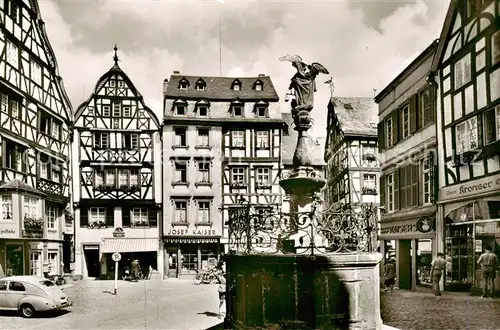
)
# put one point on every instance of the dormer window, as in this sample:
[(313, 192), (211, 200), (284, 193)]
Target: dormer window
[(236, 85), (200, 85), (202, 108), (258, 85), (261, 109), (180, 108), (183, 84)]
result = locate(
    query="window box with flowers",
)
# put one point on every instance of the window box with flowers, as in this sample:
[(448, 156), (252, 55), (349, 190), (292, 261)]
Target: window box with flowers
[(105, 188), (369, 157), (263, 186), (97, 225), (129, 189), (238, 185), (33, 227)]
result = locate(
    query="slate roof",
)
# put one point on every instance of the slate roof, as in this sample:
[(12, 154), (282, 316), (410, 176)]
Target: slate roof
[(356, 115), (289, 142), (219, 88), (19, 185)]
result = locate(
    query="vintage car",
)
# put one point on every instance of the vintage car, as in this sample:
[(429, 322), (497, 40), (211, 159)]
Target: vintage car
[(31, 294)]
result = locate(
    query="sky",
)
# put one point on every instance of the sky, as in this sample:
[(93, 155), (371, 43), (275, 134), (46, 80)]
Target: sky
[(363, 44)]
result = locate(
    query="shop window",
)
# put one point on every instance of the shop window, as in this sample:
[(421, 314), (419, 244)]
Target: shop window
[(51, 215), (35, 265), (6, 207), (424, 259), (52, 258), (15, 260)]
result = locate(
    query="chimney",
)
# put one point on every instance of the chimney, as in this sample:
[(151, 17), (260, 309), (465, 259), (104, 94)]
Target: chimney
[(177, 72), (262, 75), (165, 85)]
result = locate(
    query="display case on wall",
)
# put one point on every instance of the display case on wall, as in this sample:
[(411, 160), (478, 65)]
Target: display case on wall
[(460, 247)]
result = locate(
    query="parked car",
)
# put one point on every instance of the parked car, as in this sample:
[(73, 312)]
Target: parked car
[(31, 294)]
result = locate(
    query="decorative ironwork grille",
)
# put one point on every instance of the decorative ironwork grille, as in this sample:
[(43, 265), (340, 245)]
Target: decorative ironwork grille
[(341, 228)]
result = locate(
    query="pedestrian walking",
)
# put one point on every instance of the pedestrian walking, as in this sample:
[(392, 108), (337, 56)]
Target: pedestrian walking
[(438, 267), (488, 262), (221, 289), (134, 267), (389, 275)]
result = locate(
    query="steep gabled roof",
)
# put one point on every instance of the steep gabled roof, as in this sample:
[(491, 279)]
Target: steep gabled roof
[(116, 70), (289, 142), (219, 88), (356, 115)]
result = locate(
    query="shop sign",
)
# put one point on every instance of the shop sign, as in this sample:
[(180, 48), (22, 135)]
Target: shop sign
[(192, 232), (406, 228), (472, 188), (119, 232), (478, 244), (425, 225), (8, 233)]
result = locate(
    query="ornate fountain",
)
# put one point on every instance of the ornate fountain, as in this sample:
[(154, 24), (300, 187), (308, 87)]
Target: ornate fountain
[(310, 269)]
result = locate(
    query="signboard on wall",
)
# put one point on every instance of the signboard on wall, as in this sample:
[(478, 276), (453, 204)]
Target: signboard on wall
[(478, 244), (9, 229), (472, 188), (192, 232), (406, 228)]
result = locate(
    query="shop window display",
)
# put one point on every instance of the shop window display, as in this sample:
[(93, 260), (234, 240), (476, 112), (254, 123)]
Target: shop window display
[(424, 259), (15, 260)]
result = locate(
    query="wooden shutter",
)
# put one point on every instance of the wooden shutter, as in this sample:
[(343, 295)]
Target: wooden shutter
[(414, 185), (110, 217), (84, 217), (381, 135), (126, 216), (395, 126), (396, 189), (413, 113), (152, 213), (382, 190), (402, 189)]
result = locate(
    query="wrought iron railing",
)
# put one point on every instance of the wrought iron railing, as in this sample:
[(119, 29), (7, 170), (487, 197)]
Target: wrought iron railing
[(342, 228)]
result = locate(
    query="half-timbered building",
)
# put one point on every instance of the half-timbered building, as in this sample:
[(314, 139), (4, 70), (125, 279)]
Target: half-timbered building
[(351, 157), (221, 144), (35, 116), (407, 152), (467, 74), (117, 185)]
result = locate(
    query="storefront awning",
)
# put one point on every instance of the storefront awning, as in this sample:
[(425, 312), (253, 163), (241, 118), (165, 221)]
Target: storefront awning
[(123, 245)]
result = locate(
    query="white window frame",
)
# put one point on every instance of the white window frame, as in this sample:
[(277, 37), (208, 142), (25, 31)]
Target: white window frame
[(134, 140), (31, 207), (203, 139), (106, 110), (180, 110), (4, 103), (389, 191), (123, 177), (183, 85), (204, 172), (462, 71), (204, 212), (179, 134), (53, 264), (127, 111), (56, 127), (97, 214), (180, 168), (139, 214), (44, 170), (370, 181), (426, 181), (180, 211), (121, 84), (466, 135), (134, 177), (237, 139), (6, 207), (112, 83), (389, 128), (263, 175), (261, 111), (51, 215), (101, 140), (262, 139), (12, 48), (405, 121), (14, 108), (110, 177), (238, 175), (98, 178), (240, 109), (205, 110), (36, 73), (35, 263)]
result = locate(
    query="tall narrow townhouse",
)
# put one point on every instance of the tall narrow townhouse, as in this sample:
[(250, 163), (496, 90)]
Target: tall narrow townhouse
[(407, 149), (221, 139), (466, 72), (36, 226), (117, 179)]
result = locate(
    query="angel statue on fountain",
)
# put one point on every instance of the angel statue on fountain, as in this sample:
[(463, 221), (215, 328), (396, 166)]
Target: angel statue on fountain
[(303, 82)]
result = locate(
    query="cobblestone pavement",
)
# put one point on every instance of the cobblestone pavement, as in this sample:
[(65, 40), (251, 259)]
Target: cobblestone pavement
[(173, 304), (421, 310)]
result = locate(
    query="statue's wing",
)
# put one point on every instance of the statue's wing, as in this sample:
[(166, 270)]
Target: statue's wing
[(320, 68), (290, 58)]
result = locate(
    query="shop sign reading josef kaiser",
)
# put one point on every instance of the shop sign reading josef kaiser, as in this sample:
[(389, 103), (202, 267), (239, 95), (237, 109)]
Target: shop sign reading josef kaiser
[(472, 188)]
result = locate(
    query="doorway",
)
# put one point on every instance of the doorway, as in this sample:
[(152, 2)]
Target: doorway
[(92, 261)]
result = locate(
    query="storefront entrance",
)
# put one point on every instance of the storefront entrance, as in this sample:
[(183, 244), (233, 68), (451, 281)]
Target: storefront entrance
[(91, 254)]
